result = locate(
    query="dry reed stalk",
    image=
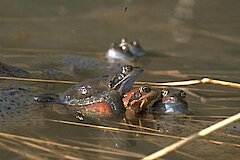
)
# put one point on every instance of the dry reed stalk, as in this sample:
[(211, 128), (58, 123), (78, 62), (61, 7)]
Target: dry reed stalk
[(200, 121), (106, 148), (114, 129), (138, 127), (216, 109), (188, 89), (36, 146), (224, 143), (107, 158), (179, 74), (192, 137), (197, 129), (71, 157), (57, 154), (193, 82), (179, 152), (137, 132), (204, 99), (228, 135), (21, 152), (108, 138), (9, 142), (214, 117), (221, 134), (200, 75), (37, 80), (178, 83), (218, 133), (11, 136), (211, 105)]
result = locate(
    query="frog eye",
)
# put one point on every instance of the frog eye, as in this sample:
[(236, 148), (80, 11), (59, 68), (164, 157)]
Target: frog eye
[(182, 94), (126, 69), (145, 89), (164, 93), (125, 48)]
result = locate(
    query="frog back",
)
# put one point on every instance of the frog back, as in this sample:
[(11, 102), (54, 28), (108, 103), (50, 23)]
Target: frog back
[(86, 92)]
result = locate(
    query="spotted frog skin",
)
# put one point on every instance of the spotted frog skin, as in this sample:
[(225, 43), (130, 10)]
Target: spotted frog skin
[(139, 99), (172, 103), (107, 89), (11, 71)]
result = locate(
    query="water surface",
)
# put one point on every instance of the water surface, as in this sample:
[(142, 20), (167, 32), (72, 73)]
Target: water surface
[(190, 39)]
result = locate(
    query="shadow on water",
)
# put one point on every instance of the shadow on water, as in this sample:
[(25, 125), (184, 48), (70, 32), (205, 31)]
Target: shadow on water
[(68, 40)]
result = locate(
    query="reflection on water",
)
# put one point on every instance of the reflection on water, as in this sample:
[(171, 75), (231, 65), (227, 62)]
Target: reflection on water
[(183, 12), (68, 40)]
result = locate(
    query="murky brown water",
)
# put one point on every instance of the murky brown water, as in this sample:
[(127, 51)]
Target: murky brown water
[(189, 38)]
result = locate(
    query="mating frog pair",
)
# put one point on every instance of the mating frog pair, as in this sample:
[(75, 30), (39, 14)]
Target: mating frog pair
[(102, 95), (109, 95)]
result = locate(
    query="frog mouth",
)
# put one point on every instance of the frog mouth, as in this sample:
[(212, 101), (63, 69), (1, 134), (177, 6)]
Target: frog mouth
[(149, 103)]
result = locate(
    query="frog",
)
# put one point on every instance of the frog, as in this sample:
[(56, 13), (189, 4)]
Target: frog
[(172, 102), (119, 53), (12, 71), (140, 99), (105, 90), (134, 47)]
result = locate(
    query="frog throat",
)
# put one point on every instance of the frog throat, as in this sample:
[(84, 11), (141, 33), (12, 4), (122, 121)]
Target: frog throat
[(123, 85)]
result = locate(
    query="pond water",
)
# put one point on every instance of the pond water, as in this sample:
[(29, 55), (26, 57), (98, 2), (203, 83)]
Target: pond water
[(189, 39)]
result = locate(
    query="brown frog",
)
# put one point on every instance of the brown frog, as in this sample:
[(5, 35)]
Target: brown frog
[(106, 90), (139, 99)]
